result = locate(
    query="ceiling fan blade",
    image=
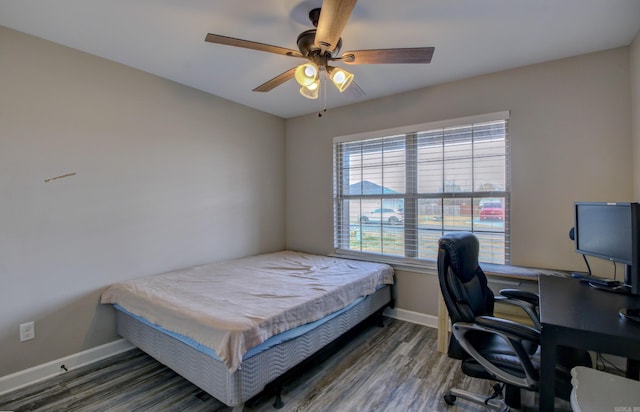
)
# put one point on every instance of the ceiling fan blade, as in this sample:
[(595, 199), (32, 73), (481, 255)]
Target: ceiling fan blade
[(386, 56), (276, 81), (333, 17), (232, 41)]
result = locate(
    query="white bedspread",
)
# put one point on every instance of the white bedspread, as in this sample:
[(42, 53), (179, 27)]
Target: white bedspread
[(234, 305)]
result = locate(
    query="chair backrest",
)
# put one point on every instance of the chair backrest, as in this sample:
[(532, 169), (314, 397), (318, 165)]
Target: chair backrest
[(462, 282)]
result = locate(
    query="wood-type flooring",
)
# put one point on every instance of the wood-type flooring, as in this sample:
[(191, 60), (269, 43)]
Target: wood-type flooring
[(390, 368)]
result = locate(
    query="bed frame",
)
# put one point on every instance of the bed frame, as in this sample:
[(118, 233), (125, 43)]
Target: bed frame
[(233, 389)]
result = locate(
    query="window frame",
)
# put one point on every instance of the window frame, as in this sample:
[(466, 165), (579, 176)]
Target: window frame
[(411, 195)]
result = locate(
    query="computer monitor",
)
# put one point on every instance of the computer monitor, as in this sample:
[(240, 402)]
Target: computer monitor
[(611, 231)]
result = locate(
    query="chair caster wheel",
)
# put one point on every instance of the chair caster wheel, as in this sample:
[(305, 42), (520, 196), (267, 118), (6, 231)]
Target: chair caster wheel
[(449, 399)]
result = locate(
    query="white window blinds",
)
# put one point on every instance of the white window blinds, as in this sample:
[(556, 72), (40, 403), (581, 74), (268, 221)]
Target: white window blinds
[(396, 192)]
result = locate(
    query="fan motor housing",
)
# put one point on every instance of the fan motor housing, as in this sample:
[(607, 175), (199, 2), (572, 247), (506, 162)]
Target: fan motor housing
[(307, 46)]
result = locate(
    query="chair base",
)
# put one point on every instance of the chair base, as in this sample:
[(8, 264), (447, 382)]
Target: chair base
[(493, 404)]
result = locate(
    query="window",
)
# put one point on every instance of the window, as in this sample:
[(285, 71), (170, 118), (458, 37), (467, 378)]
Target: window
[(397, 192)]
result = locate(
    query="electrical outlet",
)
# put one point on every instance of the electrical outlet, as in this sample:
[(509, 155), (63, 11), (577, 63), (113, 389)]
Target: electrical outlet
[(27, 331)]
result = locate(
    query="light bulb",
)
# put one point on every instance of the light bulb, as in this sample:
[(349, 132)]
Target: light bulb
[(306, 74), (311, 91), (340, 78)]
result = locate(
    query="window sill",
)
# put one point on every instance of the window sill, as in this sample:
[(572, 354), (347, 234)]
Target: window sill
[(410, 265), (430, 266)]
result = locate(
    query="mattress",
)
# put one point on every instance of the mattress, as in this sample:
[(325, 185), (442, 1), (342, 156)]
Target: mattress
[(269, 343), (235, 305)]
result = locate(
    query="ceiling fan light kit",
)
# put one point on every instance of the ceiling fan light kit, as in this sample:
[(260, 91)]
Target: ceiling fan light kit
[(307, 73), (311, 91), (340, 77), (322, 45)]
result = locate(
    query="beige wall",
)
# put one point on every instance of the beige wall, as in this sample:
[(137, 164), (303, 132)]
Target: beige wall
[(166, 177), (570, 131)]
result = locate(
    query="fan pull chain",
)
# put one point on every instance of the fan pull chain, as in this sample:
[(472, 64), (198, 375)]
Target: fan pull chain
[(323, 93)]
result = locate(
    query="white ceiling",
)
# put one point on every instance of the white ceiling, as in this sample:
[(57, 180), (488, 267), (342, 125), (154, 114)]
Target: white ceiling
[(471, 37)]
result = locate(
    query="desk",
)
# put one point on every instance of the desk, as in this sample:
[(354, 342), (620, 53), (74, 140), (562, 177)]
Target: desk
[(574, 314)]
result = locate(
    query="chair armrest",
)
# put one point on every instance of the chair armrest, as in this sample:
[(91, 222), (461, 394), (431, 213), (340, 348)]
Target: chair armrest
[(513, 334), (527, 296), (514, 329), (527, 301)]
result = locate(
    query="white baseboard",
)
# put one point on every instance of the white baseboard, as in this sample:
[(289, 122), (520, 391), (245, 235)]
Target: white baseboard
[(413, 317), (48, 370)]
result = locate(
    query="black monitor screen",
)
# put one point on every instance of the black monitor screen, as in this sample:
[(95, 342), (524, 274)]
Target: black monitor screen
[(604, 230)]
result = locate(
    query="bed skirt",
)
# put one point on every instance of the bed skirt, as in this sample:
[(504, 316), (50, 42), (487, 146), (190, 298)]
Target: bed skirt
[(256, 372)]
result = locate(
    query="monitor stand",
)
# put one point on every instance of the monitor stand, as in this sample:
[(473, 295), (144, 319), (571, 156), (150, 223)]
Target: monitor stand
[(621, 289), (630, 313)]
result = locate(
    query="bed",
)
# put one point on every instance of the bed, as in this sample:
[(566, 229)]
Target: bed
[(233, 327)]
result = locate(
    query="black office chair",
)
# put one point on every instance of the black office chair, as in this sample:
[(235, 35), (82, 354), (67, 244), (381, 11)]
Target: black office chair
[(493, 348)]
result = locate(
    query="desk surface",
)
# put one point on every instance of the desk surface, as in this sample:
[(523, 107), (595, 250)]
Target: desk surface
[(587, 313), (574, 314)]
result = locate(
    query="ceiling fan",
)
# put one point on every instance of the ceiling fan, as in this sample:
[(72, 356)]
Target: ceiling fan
[(320, 46)]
